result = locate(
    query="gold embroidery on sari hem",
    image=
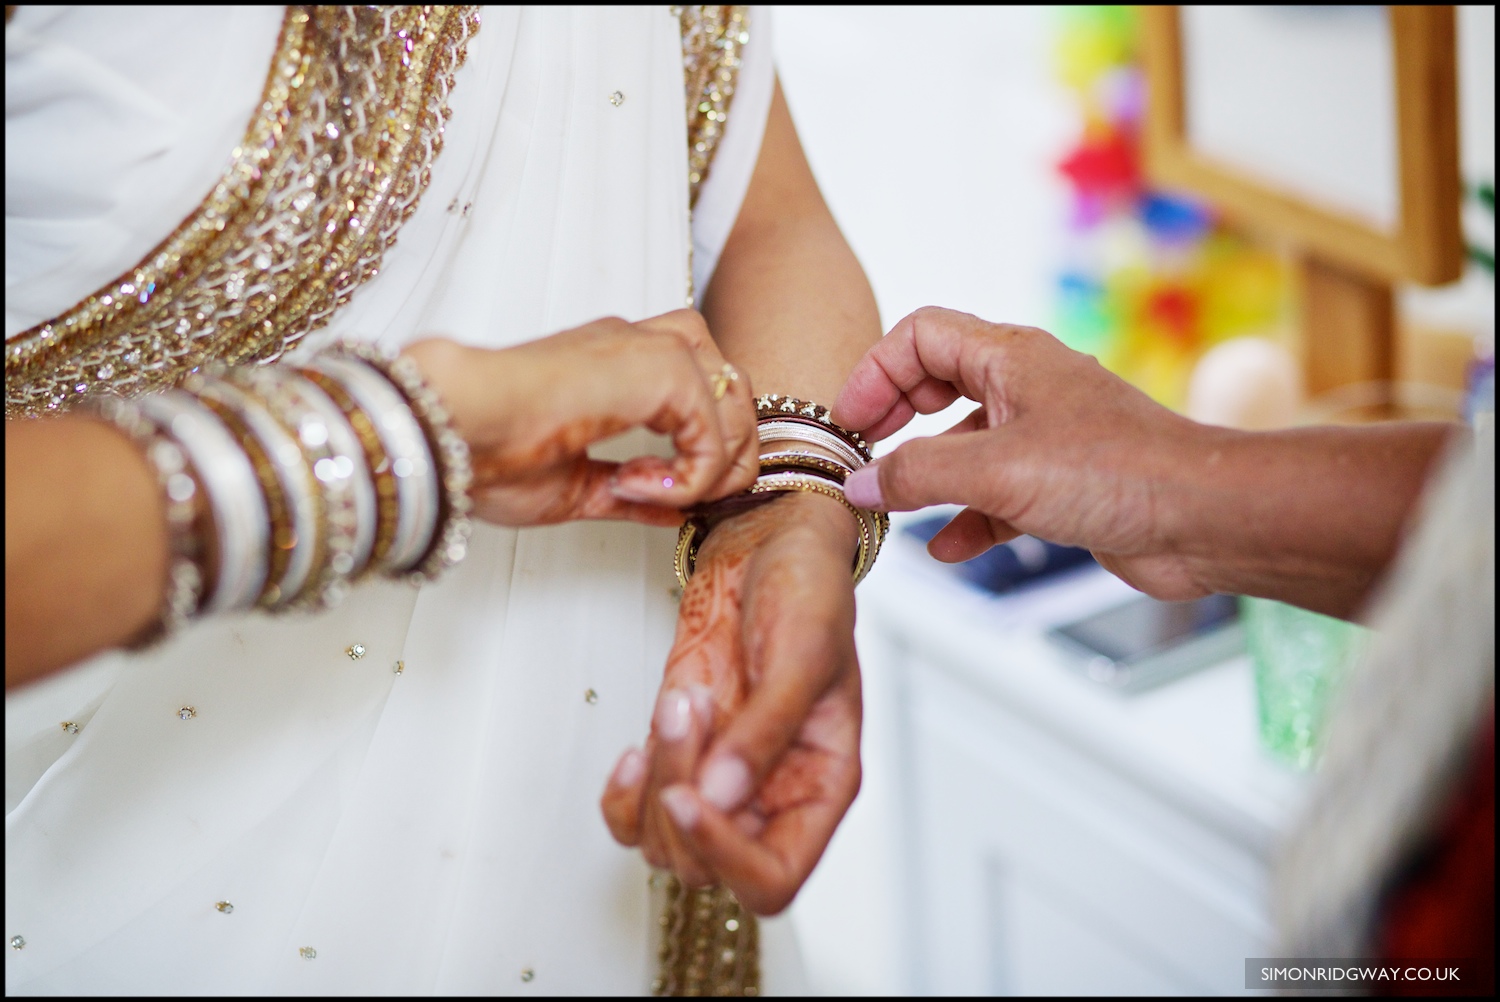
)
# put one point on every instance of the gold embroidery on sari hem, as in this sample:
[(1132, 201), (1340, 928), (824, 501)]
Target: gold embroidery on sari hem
[(710, 944), (332, 163)]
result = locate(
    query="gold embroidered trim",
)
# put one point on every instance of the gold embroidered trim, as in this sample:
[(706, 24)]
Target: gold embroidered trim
[(331, 165), (710, 944), (712, 40)]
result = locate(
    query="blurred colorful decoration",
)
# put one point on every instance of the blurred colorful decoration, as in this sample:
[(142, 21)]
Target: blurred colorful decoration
[(1152, 279)]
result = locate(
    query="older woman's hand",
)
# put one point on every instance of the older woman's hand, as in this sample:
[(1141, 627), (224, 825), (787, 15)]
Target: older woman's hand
[(754, 752), (529, 414), (1060, 447)]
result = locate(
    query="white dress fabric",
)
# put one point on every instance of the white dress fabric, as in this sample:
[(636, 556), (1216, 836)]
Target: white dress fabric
[(436, 830)]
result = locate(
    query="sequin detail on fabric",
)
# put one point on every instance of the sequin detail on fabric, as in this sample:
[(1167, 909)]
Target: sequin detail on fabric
[(710, 944), (712, 41), (333, 162)]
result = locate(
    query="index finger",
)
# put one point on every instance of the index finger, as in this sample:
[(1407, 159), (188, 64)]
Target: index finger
[(901, 374)]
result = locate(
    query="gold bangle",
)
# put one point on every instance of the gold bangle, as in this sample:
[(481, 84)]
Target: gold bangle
[(791, 459), (872, 525), (282, 536), (376, 460)]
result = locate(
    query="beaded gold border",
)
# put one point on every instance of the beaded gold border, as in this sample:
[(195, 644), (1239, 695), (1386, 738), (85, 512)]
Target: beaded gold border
[(333, 162)]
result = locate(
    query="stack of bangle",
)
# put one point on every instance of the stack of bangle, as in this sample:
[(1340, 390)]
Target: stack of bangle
[(284, 486), (782, 419)]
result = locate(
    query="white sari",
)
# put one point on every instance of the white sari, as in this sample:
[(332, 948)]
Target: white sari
[(251, 808)]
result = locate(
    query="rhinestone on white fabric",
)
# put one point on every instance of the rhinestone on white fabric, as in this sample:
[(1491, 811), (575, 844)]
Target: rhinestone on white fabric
[(18, 942), (308, 953), (224, 906), (527, 974), (355, 651), (590, 696), (68, 727), (400, 667), (187, 713), (616, 98)]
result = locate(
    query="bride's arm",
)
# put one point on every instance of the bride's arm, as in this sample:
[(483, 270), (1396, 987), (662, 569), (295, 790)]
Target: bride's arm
[(85, 543), (86, 534), (788, 301), (767, 622)]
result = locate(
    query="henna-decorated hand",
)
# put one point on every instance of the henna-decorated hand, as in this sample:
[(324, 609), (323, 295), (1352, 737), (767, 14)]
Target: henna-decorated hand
[(529, 414), (754, 752)]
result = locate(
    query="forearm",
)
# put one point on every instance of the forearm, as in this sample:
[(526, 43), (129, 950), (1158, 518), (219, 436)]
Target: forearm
[(85, 544), (1311, 516), (789, 304)]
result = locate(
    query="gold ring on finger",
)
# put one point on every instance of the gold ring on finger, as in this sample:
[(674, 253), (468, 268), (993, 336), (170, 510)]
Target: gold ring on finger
[(726, 375)]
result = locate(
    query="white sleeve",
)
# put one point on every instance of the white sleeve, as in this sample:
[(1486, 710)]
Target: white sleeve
[(728, 178)]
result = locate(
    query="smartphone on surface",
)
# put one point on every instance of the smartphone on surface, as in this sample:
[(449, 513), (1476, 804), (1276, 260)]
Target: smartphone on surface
[(1145, 642)]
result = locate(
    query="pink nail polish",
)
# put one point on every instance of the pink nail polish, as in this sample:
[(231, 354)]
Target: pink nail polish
[(674, 715), (680, 803), (631, 769), (725, 783), (862, 489)]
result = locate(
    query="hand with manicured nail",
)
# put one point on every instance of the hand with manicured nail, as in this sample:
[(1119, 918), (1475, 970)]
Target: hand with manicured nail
[(530, 412), (1059, 447), (1067, 451), (749, 792)]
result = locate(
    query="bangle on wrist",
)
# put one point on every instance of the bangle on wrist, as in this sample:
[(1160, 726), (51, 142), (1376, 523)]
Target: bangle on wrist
[(448, 459), (186, 560), (237, 507), (784, 419)]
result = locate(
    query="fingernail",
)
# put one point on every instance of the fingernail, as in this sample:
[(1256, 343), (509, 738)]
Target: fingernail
[(631, 769), (680, 803), (674, 715), (725, 783), (702, 700), (629, 492), (862, 489)]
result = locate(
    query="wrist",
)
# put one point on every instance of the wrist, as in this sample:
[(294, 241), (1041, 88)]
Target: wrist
[(831, 529), (450, 369)]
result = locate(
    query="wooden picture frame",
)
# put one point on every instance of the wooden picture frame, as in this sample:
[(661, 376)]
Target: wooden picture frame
[(1428, 244), (1347, 264)]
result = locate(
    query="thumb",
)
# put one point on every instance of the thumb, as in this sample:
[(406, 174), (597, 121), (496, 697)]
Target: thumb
[(949, 468)]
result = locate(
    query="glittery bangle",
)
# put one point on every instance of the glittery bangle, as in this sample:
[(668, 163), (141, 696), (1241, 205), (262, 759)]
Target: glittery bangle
[(449, 451), (349, 463), (776, 406), (873, 526), (290, 398), (291, 499), (241, 525), (787, 430), (323, 373), (412, 473), (185, 567), (791, 459)]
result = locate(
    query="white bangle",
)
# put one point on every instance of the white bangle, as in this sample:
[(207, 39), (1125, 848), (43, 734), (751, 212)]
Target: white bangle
[(178, 486), (348, 455), (293, 476), (285, 393), (776, 430), (241, 525), (405, 445)]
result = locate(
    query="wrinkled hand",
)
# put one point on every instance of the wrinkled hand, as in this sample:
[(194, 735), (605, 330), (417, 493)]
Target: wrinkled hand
[(529, 414), (753, 756), (1060, 447)]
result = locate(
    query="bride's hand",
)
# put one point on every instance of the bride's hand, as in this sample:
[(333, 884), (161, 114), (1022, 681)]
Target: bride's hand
[(754, 752), (529, 414)]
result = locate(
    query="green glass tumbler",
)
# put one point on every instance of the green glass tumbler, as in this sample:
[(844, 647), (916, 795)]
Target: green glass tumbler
[(1300, 658)]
